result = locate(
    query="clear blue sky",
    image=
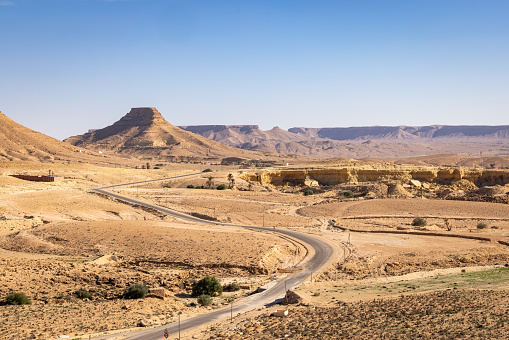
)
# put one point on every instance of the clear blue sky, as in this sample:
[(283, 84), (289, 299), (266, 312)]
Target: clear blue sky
[(70, 65)]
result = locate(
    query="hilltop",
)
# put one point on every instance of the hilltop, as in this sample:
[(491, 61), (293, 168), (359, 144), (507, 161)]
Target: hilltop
[(19, 143), (144, 133)]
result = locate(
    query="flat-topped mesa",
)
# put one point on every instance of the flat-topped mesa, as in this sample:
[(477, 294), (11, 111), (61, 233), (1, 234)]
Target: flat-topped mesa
[(142, 116)]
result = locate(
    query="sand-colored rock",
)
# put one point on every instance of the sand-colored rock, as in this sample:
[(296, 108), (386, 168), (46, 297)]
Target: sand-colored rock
[(143, 132), (330, 176)]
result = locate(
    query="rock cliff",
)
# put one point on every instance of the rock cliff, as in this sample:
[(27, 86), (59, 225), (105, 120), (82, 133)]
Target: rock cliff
[(299, 177)]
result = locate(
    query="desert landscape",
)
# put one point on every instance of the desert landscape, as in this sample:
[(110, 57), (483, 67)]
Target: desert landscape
[(283, 169), (416, 248)]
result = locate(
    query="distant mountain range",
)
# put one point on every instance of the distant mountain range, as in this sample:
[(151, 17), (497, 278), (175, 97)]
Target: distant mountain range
[(361, 142), (405, 132)]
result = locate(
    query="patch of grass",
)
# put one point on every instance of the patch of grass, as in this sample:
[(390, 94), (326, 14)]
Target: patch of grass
[(136, 291), (348, 194), (17, 299), (232, 287), (82, 294), (204, 300)]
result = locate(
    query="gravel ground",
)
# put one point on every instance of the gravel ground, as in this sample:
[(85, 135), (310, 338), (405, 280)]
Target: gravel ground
[(451, 314)]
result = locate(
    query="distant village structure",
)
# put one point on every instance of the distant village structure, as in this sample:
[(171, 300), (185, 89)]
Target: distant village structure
[(49, 178)]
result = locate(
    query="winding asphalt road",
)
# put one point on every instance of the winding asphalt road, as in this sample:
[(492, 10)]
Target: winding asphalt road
[(321, 255)]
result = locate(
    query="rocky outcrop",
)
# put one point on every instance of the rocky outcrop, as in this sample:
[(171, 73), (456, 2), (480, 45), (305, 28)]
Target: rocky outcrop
[(143, 132), (302, 177)]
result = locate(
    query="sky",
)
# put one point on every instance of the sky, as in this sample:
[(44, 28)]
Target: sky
[(67, 66)]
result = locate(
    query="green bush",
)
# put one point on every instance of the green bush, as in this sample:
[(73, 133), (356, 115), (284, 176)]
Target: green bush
[(221, 187), (207, 170), (482, 225), (348, 194), (82, 294), (232, 287), (204, 300), (419, 222), (308, 192), (190, 186), (209, 285), (17, 299), (136, 291)]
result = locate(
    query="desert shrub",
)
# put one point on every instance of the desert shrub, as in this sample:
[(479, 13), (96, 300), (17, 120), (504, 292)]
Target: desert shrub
[(348, 194), (167, 186), (209, 285), (419, 222), (17, 299), (136, 291), (232, 287), (82, 294), (204, 300), (207, 170), (308, 192), (221, 187), (482, 225), (190, 186)]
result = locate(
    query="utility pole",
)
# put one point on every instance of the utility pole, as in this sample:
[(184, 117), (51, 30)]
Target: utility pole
[(286, 295), (179, 324), (231, 312)]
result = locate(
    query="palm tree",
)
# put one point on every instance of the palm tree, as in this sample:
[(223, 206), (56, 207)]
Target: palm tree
[(210, 181), (231, 180)]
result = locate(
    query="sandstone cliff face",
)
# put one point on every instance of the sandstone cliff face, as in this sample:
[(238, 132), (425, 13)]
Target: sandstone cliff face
[(353, 176)]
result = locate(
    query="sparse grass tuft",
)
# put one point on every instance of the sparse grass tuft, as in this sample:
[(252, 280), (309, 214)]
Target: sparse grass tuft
[(419, 222), (136, 291), (482, 225), (204, 300), (17, 299), (348, 194), (231, 287), (82, 294)]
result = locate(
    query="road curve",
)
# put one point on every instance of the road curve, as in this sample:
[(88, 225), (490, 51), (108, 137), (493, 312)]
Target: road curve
[(321, 255)]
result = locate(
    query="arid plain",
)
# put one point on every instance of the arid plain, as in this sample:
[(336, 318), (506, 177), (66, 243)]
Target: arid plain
[(57, 238), (420, 247)]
